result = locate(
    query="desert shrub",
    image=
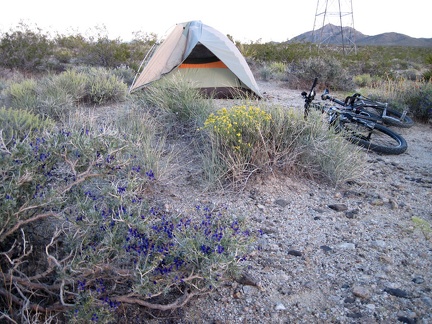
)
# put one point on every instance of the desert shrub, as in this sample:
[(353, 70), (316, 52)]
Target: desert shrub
[(22, 94), (99, 50), (106, 53), (328, 155), (54, 100), (55, 95), (423, 225), (419, 100), (245, 140), (81, 198), (239, 133), (402, 94), (273, 70), (182, 107), (73, 82), (125, 74), (329, 71), (18, 124), (428, 75), (103, 86), (363, 80), (25, 49), (265, 72)]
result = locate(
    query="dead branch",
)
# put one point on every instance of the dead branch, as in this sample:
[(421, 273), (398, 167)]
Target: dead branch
[(34, 307), (26, 221), (180, 302)]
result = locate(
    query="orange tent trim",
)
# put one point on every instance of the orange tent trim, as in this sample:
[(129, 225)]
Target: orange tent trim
[(213, 65)]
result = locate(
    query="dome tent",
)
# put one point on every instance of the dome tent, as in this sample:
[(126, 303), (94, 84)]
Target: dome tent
[(202, 55)]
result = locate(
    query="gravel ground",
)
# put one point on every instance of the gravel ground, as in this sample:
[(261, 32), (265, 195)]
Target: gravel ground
[(327, 255)]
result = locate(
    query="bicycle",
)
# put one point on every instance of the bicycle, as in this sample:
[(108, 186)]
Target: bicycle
[(358, 130), (372, 110)]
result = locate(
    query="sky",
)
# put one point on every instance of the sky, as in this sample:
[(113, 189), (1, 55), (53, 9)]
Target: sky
[(245, 20)]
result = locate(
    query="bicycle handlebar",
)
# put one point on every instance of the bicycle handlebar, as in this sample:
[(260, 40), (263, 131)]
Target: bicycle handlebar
[(326, 96)]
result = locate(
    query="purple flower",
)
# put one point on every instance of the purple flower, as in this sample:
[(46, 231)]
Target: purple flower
[(81, 285), (220, 249), (206, 249), (150, 175), (94, 318), (136, 168)]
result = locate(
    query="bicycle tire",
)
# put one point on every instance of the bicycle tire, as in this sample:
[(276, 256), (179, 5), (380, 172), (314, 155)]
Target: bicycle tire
[(392, 118), (378, 138)]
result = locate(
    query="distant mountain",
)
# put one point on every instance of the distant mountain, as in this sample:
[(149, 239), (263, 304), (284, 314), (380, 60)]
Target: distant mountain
[(331, 34)]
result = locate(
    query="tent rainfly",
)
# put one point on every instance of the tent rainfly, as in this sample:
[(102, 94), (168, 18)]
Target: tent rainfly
[(202, 56)]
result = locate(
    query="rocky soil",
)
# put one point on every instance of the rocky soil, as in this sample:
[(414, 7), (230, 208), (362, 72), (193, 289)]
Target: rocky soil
[(331, 255)]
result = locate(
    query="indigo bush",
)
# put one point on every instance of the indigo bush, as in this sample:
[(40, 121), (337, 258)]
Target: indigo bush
[(77, 200)]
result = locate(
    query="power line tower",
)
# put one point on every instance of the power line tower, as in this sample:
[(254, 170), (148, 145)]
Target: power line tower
[(334, 25)]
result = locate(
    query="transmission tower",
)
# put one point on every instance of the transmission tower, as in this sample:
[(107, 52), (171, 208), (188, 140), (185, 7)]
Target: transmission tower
[(334, 25)]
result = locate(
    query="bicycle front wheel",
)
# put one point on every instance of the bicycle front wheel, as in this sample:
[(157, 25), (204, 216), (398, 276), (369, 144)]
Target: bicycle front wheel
[(376, 137), (392, 117)]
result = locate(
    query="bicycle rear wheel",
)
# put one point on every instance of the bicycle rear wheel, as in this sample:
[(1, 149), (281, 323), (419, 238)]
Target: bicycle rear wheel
[(392, 117), (374, 137)]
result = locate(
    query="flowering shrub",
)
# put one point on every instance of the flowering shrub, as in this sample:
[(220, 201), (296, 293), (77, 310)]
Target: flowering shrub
[(241, 127), (77, 201), (240, 135), (250, 139)]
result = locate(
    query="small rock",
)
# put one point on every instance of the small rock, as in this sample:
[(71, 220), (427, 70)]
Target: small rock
[(379, 243), (338, 195), (418, 280), (247, 280), (338, 207), (371, 307), (393, 204), (295, 253), (280, 306), (237, 294), (351, 213), (396, 292), (349, 300), (281, 202), (407, 320), (377, 202), (427, 300), (385, 259), (361, 292), (354, 315), (325, 248), (346, 245)]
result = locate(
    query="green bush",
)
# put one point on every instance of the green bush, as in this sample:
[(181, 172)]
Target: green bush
[(424, 226), (239, 134), (81, 198), (419, 101), (245, 140), (73, 82), (180, 106), (25, 49), (106, 53), (402, 94), (329, 71), (103, 86), (363, 80), (22, 94), (54, 99), (56, 95), (18, 124)]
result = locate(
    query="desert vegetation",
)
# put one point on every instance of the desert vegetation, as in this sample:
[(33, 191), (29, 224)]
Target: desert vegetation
[(83, 165)]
